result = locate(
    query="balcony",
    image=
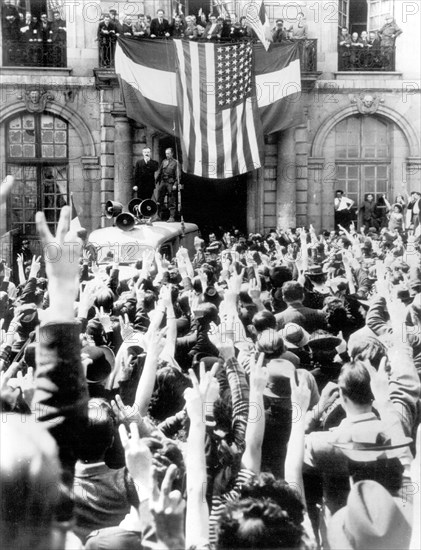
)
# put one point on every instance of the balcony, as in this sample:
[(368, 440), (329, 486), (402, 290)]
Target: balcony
[(307, 51), (364, 59), (34, 54)]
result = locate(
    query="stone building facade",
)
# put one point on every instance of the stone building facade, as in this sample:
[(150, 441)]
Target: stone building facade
[(361, 131)]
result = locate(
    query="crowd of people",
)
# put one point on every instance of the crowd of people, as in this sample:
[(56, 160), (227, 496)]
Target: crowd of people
[(264, 393), (223, 27), (368, 51), (31, 39)]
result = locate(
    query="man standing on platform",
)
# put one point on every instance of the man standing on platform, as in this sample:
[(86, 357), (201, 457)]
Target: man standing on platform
[(144, 175), (343, 212), (167, 181)]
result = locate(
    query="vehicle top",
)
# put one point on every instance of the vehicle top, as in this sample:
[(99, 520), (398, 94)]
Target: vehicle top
[(115, 244)]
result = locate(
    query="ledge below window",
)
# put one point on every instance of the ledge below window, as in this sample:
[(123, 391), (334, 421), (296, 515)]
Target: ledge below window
[(367, 75), (36, 71)]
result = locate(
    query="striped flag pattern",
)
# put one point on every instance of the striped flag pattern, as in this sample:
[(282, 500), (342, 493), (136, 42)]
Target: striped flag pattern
[(258, 20), (219, 122)]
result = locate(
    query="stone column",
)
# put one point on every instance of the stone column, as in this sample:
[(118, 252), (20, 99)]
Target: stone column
[(123, 158), (314, 198), (286, 184)]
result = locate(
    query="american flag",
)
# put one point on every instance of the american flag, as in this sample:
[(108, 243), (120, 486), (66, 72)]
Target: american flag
[(257, 19), (218, 114)]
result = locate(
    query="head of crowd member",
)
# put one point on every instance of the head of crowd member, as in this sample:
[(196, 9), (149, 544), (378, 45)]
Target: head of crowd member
[(212, 19), (279, 24), (258, 522), (128, 20), (372, 519), (107, 19), (168, 396), (30, 477), (169, 153), (364, 35), (293, 292), (339, 193), (28, 18), (160, 15), (264, 320), (98, 434), (354, 36), (113, 15), (344, 32), (369, 197), (372, 36), (354, 388)]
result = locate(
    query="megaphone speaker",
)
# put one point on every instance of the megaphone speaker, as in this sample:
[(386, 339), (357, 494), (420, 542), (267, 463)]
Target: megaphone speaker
[(125, 221), (148, 208), (113, 209), (133, 207)]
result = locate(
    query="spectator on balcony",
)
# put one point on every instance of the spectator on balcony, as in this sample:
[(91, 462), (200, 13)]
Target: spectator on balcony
[(356, 47), (299, 30), (388, 34), (177, 27), (344, 49), (127, 29), (140, 28), (114, 20), (160, 27), (35, 30), (11, 28), (213, 29), (191, 28), (24, 29), (106, 38), (279, 34), (9, 8), (46, 31), (372, 59), (58, 26)]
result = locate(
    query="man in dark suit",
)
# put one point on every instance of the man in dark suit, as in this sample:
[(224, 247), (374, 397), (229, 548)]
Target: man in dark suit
[(279, 34), (106, 38), (58, 26), (45, 29), (160, 27), (144, 175), (308, 318)]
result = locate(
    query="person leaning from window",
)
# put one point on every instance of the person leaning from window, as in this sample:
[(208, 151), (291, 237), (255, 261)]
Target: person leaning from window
[(160, 27), (356, 47)]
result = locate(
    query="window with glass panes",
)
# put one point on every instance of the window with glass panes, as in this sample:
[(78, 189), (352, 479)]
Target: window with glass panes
[(363, 160), (37, 156)]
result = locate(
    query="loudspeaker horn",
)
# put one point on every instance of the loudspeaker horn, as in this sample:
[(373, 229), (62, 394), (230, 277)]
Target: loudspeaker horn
[(125, 221), (148, 208), (133, 207), (113, 209)]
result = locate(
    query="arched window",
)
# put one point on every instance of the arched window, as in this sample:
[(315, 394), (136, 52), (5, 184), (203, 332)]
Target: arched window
[(37, 156), (363, 158)]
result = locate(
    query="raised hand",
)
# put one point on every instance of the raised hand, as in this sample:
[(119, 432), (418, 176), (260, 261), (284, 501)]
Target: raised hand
[(167, 507), (62, 254), (104, 319), (138, 457)]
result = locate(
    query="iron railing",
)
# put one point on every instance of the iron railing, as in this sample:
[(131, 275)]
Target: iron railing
[(34, 54), (307, 49), (366, 58)]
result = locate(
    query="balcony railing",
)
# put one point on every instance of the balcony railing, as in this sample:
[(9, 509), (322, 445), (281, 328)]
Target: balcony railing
[(357, 58), (307, 49), (308, 55), (34, 54)]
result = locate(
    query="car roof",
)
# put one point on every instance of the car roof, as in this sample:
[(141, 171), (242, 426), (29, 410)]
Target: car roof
[(153, 235)]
